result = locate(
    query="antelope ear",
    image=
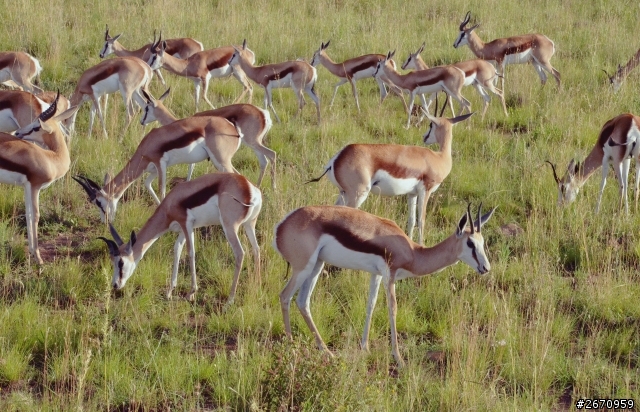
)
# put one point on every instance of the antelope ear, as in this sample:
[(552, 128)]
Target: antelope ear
[(133, 238), (326, 44), (164, 45), (474, 27), (67, 113), (485, 218), (571, 167), (107, 179), (420, 49), (244, 44), (460, 118), (461, 225), (117, 37), (165, 94)]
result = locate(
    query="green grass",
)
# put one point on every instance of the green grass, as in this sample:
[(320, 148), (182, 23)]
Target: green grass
[(557, 316)]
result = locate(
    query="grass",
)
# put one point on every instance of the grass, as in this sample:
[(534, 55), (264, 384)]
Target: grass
[(555, 320)]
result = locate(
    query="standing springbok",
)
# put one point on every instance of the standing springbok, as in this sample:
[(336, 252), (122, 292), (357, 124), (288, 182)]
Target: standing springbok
[(34, 168), (253, 121), (352, 239), (298, 75), (448, 79), (19, 108), (536, 49), (181, 48), (351, 70), (618, 143), (200, 68), (18, 68), (185, 141), (128, 75), (225, 199), (622, 72), (478, 73), (395, 170)]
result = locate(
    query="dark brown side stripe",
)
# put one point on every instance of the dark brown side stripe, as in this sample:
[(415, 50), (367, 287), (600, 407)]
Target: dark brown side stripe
[(103, 74), (183, 141), (201, 196), (352, 242), (220, 62), (277, 76), (519, 48), (7, 164)]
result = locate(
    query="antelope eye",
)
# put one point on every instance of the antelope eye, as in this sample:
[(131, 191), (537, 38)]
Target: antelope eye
[(470, 244)]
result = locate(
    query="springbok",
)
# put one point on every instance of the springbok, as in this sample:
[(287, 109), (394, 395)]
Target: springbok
[(618, 143), (395, 170), (128, 75), (185, 141), (18, 69), (536, 49), (445, 78), (297, 74), (181, 48), (19, 108), (622, 72), (351, 70), (34, 168), (253, 121), (478, 73), (200, 68), (352, 239), (225, 199)]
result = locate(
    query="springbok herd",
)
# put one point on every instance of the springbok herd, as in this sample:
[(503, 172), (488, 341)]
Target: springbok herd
[(34, 154)]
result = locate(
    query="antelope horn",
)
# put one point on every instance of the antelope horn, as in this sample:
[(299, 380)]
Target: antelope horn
[(48, 114), (87, 188), (555, 175), (113, 248), (470, 219), (464, 22), (146, 96), (444, 106), (479, 217), (115, 235), (106, 33)]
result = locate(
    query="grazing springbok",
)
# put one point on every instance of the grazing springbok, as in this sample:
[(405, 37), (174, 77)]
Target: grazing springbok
[(297, 74), (18, 69), (201, 67), (185, 141), (181, 48), (128, 75), (622, 72), (395, 170), (448, 79), (253, 121), (34, 168), (478, 73), (618, 143), (351, 70), (19, 108), (536, 49), (352, 239), (225, 199)]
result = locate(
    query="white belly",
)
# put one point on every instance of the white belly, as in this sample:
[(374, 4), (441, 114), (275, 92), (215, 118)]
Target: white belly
[(334, 253), (364, 73), (384, 184), (518, 58), (280, 83), (12, 178), (468, 80), (223, 71), (432, 88), (206, 214), (193, 153), (109, 85)]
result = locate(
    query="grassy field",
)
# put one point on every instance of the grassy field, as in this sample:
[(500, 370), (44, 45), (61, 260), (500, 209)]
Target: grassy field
[(556, 319)]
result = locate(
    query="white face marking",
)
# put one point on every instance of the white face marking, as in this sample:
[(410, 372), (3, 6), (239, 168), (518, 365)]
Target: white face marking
[(123, 267), (107, 49), (473, 254), (155, 60), (461, 40), (430, 136)]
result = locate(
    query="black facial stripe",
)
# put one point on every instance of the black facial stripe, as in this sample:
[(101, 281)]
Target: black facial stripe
[(474, 254), (99, 204), (120, 266)]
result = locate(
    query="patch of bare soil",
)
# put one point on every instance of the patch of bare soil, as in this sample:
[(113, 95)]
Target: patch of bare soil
[(65, 245)]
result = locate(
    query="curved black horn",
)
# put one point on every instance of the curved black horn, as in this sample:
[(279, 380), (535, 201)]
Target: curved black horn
[(87, 188), (106, 32), (553, 167), (115, 235), (435, 109), (479, 217), (48, 114), (464, 22), (469, 218), (113, 248), (446, 99), (146, 96)]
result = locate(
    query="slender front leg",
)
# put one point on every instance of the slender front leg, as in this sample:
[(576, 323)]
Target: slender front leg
[(423, 199), (355, 92), (192, 260), (393, 308), (231, 232), (149, 180), (374, 287), (177, 251), (335, 91), (605, 170), (411, 223), (205, 90), (269, 102), (304, 303)]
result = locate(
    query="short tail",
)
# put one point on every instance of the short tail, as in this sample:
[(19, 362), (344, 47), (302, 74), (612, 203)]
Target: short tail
[(317, 179), (239, 201)]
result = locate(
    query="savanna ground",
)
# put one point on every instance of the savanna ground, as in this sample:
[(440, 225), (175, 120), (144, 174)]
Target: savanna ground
[(556, 319)]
